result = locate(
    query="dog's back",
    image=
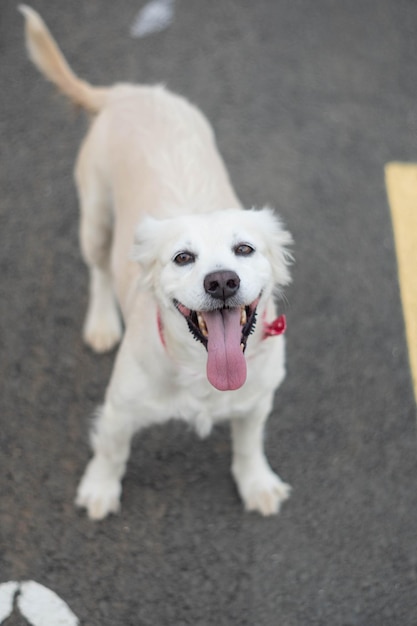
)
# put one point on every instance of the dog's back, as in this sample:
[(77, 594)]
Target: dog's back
[(147, 151)]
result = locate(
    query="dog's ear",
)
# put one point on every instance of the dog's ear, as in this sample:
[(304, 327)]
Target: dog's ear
[(148, 236), (277, 244)]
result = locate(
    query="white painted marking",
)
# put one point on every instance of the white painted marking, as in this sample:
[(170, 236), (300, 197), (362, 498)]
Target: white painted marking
[(7, 594), (155, 16), (38, 604)]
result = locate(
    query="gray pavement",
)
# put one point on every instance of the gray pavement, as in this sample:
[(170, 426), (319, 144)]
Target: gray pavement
[(309, 100)]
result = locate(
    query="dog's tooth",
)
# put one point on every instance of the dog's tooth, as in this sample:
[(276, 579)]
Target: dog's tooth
[(242, 347), (202, 324), (243, 316)]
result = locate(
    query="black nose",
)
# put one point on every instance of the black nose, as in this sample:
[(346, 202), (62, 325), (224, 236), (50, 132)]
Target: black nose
[(221, 285)]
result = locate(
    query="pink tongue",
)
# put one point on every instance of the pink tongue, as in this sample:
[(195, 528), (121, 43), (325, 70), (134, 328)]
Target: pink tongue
[(226, 365)]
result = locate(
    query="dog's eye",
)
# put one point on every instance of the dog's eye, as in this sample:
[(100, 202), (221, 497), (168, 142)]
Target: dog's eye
[(184, 258), (243, 249)]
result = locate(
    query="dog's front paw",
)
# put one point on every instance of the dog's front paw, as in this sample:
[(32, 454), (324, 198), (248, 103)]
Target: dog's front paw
[(260, 488), (266, 498), (98, 492)]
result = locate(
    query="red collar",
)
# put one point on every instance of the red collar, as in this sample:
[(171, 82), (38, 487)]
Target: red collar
[(277, 327), (271, 329)]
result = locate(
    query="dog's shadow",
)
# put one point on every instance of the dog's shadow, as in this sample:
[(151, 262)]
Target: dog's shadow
[(171, 464)]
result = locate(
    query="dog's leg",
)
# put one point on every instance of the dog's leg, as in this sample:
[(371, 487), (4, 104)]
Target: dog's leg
[(102, 326), (100, 488), (259, 487)]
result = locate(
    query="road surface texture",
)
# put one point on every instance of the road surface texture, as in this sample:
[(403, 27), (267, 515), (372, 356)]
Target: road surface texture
[(309, 101)]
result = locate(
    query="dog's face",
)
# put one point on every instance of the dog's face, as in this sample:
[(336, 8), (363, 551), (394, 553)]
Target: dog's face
[(214, 269)]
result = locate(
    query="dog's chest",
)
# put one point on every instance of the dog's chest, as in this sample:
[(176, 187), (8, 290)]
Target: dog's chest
[(201, 405)]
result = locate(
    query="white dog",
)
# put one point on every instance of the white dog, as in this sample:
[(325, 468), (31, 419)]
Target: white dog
[(193, 284)]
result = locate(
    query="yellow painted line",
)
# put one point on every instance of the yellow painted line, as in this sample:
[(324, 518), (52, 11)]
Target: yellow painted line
[(401, 183)]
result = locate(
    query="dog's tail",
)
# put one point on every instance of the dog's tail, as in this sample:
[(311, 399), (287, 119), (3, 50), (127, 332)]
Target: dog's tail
[(45, 54)]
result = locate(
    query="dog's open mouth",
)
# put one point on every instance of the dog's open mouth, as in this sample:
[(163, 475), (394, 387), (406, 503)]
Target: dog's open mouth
[(224, 333)]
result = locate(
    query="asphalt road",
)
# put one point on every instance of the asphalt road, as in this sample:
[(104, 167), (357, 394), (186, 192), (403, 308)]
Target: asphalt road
[(309, 100)]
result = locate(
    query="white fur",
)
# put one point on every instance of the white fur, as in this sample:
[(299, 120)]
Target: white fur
[(151, 184)]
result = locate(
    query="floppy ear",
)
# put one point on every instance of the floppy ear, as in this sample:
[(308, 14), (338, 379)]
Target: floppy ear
[(277, 241), (148, 236)]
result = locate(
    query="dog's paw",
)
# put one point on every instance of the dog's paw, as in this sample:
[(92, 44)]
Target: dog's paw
[(267, 498), (261, 490), (102, 332), (98, 492)]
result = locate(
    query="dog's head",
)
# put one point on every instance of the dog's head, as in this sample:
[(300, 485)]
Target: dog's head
[(214, 269)]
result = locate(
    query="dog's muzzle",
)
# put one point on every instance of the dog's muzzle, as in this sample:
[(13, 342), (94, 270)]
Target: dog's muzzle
[(223, 329)]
